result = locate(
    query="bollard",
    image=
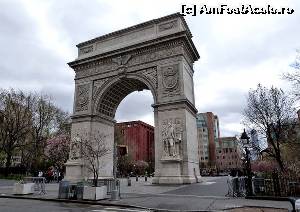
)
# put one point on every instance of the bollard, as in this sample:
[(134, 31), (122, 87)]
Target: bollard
[(136, 178), (128, 181), (145, 178)]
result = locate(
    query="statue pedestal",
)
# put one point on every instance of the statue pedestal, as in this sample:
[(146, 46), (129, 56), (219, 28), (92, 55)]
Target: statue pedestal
[(74, 171)]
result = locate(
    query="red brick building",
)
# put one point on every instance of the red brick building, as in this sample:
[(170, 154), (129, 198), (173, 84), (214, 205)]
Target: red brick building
[(136, 139)]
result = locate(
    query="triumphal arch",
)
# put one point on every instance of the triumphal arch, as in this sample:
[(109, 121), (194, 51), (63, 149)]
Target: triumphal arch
[(157, 55)]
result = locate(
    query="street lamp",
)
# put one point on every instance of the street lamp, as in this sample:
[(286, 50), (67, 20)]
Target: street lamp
[(247, 146)]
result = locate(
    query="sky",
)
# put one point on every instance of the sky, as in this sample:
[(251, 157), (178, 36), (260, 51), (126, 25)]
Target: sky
[(38, 38)]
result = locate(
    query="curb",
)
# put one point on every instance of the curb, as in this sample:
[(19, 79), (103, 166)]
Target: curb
[(74, 201), (102, 204), (268, 198), (288, 199)]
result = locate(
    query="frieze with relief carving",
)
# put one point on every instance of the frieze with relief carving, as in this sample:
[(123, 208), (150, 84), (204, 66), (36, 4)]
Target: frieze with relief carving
[(172, 135), (116, 63), (82, 97), (170, 81)]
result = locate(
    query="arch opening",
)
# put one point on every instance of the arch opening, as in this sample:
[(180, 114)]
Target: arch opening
[(115, 93)]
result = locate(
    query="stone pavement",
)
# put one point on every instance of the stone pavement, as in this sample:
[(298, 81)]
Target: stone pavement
[(177, 198)]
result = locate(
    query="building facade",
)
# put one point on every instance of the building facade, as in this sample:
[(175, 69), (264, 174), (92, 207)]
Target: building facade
[(208, 137), (136, 139), (229, 154)]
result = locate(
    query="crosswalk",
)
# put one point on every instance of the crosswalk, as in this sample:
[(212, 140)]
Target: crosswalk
[(207, 183), (112, 209)]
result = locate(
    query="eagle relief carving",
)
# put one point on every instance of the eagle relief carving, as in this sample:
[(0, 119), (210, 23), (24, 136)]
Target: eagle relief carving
[(121, 62)]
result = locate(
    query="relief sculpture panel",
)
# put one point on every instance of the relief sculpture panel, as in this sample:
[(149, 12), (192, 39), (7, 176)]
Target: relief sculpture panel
[(170, 81), (172, 131), (151, 75), (98, 84), (82, 97)]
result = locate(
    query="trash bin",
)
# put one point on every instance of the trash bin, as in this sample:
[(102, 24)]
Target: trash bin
[(79, 190), (63, 191), (72, 191), (115, 195)]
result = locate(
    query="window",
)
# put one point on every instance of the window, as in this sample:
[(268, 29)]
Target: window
[(223, 157), (230, 150), (217, 157), (206, 158)]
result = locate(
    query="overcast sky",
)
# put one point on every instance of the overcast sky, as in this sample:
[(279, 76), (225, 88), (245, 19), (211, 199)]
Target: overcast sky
[(38, 38)]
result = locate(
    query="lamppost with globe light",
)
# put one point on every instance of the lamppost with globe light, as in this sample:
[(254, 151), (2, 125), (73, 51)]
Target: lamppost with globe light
[(246, 144)]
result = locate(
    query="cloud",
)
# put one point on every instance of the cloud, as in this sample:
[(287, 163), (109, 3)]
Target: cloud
[(136, 106), (38, 38)]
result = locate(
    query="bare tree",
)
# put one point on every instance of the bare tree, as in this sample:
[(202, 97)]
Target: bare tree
[(270, 112), (15, 122), (62, 122), (294, 76), (92, 149)]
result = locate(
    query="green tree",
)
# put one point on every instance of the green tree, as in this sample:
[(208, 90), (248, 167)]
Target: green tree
[(15, 122)]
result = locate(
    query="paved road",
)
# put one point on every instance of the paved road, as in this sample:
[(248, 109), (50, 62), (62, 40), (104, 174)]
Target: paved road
[(212, 186), (20, 205), (4, 182)]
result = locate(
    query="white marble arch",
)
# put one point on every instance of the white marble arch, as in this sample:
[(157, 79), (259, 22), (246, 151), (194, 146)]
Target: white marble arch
[(157, 55)]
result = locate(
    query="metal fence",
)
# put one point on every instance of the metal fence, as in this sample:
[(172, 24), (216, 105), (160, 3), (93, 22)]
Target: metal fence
[(276, 185), (236, 186), (39, 183)]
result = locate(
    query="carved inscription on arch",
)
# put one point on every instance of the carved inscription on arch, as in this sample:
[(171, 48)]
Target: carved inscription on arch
[(167, 26)]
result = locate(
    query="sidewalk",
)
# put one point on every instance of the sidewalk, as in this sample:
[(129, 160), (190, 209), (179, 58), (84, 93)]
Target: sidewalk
[(145, 195)]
